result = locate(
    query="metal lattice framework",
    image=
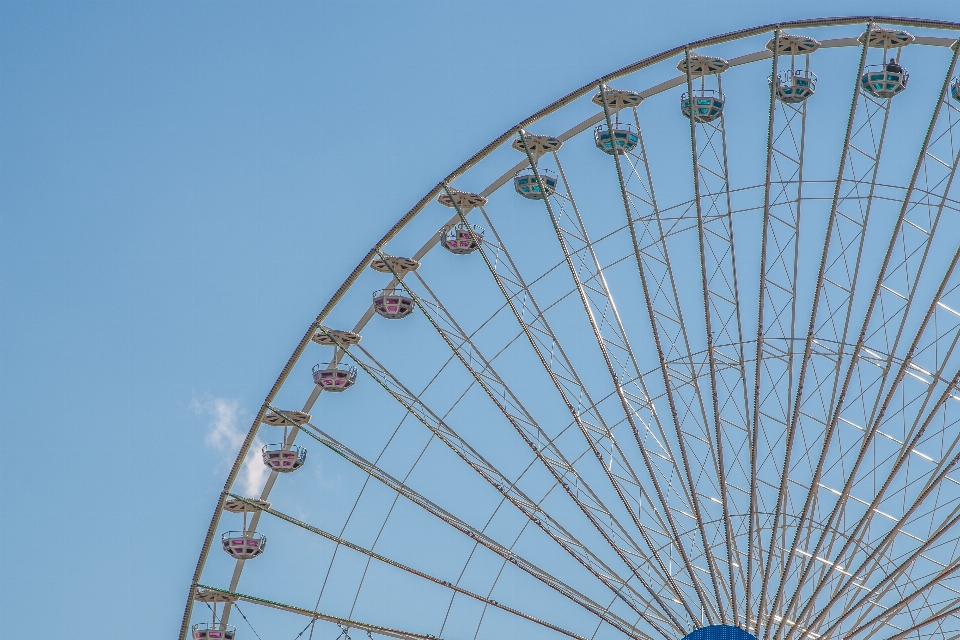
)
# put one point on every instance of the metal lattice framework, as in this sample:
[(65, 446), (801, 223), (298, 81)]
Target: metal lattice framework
[(728, 399)]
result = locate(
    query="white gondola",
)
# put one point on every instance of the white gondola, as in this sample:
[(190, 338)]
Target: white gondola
[(621, 139), (334, 378), (283, 458), (888, 79), (243, 545), (613, 137), (214, 631), (461, 239), (393, 304), (955, 88), (526, 183), (884, 80), (707, 105), (796, 86), (702, 104)]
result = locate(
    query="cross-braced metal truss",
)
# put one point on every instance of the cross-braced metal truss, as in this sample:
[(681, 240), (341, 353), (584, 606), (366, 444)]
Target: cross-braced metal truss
[(728, 399)]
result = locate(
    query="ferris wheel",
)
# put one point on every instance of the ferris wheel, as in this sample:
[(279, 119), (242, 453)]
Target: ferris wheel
[(680, 361)]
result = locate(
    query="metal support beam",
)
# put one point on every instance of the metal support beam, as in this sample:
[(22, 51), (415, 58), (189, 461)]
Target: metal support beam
[(478, 536), (507, 488), (553, 459), (342, 622), (893, 313), (393, 563)]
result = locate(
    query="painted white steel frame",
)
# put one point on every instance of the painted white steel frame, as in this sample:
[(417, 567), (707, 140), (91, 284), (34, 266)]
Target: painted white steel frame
[(664, 603)]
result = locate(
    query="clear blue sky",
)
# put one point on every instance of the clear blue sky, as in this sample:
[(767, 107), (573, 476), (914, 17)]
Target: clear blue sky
[(180, 192)]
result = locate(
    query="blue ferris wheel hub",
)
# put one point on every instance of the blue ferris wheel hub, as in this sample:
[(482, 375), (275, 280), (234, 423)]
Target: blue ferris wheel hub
[(720, 632)]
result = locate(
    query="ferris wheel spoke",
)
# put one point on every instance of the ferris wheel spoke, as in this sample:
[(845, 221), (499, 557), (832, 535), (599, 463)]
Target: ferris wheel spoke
[(905, 601), (829, 488), (876, 560), (571, 389), (913, 437), (668, 327), (233, 596), (549, 454), (413, 466), (375, 556), (832, 301), (902, 269), (779, 260), (478, 536), (608, 329), (680, 382), (907, 257), (879, 560), (729, 370), (501, 394), (934, 619), (721, 307), (657, 254), (507, 488), (673, 378), (938, 334)]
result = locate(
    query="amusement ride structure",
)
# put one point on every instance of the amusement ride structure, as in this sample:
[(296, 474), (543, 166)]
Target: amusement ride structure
[(680, 361)]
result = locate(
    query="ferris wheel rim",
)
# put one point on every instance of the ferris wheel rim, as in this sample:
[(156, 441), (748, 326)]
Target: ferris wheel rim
[(464, 167)]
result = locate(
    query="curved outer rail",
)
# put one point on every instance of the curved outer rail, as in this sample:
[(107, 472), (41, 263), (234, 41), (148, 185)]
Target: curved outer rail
[(484, 152)]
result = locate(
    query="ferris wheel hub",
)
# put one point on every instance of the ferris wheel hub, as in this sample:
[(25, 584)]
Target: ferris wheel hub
[(720, 632)]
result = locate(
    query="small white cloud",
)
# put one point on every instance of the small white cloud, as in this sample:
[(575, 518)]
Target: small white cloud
[(226, 431)]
